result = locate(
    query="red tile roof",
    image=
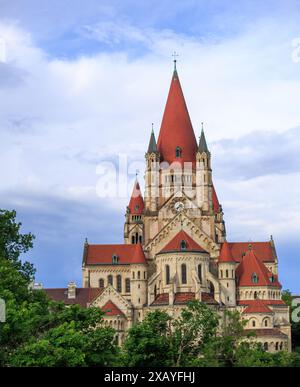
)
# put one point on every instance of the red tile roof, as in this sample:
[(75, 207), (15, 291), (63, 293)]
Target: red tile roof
[(275, 332), (266, 302), (175, 243), (215, 200), (183, 298), (258, 306), (252, 265), (102, 254), (263, 250), (111, 309), (136, 204), (84, 296), (225, 254), (176, 128)]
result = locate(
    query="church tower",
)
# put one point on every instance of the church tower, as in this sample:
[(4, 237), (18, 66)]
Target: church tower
[(134, 217)]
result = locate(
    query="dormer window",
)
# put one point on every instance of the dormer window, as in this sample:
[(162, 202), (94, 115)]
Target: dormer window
[(136, 207), (254, 278), (178, 152), (272, 279), (183, 245), (115, 259)]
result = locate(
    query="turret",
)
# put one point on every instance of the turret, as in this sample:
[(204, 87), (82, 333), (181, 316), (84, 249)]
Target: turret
[(203, 175), (152, 175), (227, 267), (134, 224), (138, 280)]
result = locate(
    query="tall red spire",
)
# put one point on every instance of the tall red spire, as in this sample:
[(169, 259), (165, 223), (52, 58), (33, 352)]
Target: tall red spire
[(176, 128), (136, 204)]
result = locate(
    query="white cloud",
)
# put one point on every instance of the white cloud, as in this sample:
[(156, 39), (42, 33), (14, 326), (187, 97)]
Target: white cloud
[(61, 116)]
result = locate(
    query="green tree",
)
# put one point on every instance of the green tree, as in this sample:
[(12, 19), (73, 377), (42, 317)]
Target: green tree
[(148, 343), (37, 331)]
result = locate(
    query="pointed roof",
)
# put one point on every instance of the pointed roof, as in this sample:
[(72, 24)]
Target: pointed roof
[(136, 204), (202, 143), (111, 309), (251, 265), (225, 254), (176, 128), (152, 148), (258, 306), (215, 200), (175, 243), (126, 254)]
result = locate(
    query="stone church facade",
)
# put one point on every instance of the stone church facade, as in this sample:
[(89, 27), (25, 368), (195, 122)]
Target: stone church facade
[(175, 245)]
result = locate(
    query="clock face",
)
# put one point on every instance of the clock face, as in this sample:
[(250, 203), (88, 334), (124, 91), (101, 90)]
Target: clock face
[(178, 206)]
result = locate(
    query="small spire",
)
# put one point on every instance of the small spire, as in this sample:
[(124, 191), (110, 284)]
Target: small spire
[(86, 241), (202, 141), (174, 55), (152, 148)]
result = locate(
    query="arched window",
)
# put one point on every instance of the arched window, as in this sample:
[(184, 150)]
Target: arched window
[(139, 275), (127, 285), (101, 283), (226, 273), (200, 272), (136, 238), (183, 273), (115, 259), (255, 295), (110, 280), (276, 346), (119, 283), (221, 273), (266, 322), (155, 292), (254, 278), (167, 274), (133, 239), (253, 323), (133, 275), (178, 151), (140, 239), (266, 346), (183, 245)]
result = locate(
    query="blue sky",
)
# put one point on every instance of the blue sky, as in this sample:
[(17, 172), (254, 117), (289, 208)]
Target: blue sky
[(81, 83)]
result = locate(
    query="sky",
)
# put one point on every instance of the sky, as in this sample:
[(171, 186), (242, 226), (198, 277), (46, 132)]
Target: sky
[(82, 81)]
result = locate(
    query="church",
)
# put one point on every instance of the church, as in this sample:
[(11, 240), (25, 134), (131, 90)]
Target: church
[(175, 245)]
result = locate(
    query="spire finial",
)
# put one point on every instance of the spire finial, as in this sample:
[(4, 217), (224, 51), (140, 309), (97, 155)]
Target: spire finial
[(202, 127), (136, 174), (152, 125), (174, 55)]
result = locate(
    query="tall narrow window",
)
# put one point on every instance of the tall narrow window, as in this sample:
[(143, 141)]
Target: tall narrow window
[(101, 283), (200, 272), (183, 273), (139, 275), (155, 292), (140, 239), (127, 285), (254, 278), (183, 245), (167, 274), (119, 283), (178, 151), (133, 239), (226, 273), (110, 280)]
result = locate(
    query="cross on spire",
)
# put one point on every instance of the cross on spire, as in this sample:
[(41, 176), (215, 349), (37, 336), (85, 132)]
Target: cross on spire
[(174, 55)]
